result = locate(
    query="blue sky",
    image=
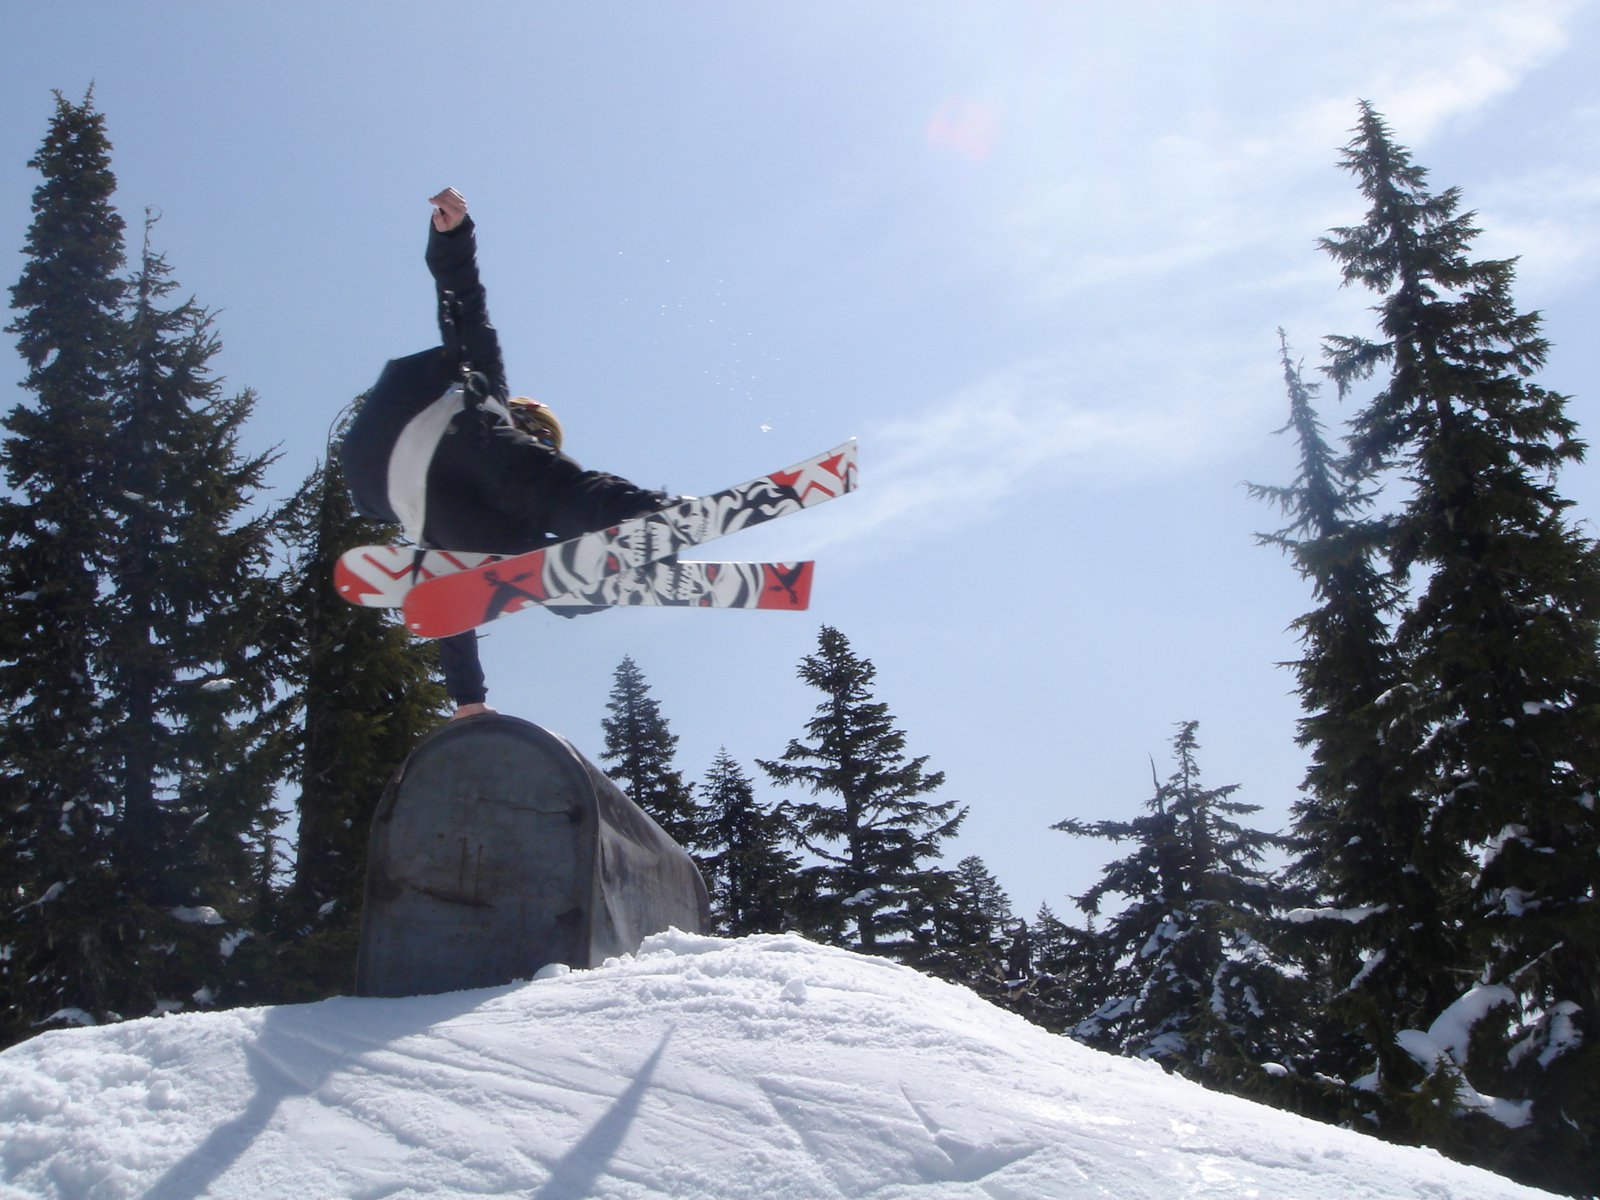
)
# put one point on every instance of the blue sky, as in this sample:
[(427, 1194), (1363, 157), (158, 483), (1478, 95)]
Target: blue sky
[(1034, 255)]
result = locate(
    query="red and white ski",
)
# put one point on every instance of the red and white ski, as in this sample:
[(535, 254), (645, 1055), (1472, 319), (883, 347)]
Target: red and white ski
[(572, 571), (381, 576)]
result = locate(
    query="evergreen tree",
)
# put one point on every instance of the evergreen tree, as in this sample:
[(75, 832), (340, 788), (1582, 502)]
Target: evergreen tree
[(192, 650), (975, 932), (139, 743), (1501, 698), (64, 925), (1196, 985), (1374, 930), (876, 885), (365, 691), (1062, 974), (639, 745), (748, 872)]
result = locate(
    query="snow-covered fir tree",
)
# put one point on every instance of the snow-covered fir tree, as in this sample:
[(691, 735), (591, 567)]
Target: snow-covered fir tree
[(876, 883), (639, 749), (1498, 713), (749, 871), (1196, 985)]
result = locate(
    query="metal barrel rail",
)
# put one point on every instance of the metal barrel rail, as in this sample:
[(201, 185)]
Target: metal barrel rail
[(498, 849)]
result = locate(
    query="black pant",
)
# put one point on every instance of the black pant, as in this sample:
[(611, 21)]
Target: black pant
[(462, 668)]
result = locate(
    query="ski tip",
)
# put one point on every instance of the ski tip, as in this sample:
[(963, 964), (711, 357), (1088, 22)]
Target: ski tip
[(844, 463)]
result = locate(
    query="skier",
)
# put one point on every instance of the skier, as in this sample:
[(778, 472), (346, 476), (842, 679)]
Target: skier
[(440, 447)]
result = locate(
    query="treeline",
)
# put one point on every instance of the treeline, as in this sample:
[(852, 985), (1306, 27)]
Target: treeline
[(173, 663), (1418, 956)]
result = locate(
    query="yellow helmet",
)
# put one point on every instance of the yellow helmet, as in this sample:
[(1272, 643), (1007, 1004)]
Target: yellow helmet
[(536, 420)]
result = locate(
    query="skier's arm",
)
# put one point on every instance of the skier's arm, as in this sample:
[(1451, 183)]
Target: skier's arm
[(452, 258)]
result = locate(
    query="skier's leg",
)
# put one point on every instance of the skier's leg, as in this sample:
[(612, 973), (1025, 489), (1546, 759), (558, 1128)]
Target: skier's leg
[(463, 672)]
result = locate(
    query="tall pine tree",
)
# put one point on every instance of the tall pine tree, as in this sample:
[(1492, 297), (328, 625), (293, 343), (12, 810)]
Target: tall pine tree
[(1375, 931), (1500, 705), (140, 734), (639, 747), (193, 650), (64, 926), (876, 885)]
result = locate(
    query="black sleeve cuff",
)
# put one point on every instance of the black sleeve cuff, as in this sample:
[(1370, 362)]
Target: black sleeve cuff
[(451, 252)]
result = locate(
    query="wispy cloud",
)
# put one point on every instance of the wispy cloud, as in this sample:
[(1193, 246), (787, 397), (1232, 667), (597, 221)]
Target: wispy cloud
[(1475, 53), (1549, 220), (1050, 430), (1187, 184), (1168, 233)]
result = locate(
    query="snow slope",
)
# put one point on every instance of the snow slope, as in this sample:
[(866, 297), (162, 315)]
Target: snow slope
[(765, 1067)]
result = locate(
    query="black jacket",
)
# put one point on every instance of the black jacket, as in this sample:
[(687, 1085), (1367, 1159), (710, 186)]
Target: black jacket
[(433, 450)]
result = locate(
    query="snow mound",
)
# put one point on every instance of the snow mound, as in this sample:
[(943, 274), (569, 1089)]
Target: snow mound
[(765, 1067)]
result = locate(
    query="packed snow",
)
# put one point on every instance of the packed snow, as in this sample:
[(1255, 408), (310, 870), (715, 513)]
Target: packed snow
[(764, 1067)]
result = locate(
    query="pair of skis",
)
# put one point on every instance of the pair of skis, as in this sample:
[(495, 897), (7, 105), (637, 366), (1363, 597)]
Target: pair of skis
[(633, 563), (382, 577)]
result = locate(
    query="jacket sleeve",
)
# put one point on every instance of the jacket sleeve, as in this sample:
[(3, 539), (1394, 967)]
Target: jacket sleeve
[(453, 262)]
